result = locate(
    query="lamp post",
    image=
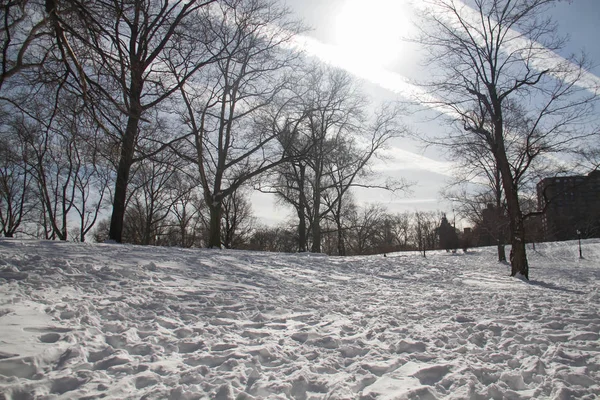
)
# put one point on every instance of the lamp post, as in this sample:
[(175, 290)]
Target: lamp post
[(579, 240)]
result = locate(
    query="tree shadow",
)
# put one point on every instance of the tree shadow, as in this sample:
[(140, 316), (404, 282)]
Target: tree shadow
[(552, 286)]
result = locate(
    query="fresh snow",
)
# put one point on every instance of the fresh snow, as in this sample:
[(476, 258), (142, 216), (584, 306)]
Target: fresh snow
[(131, 322)]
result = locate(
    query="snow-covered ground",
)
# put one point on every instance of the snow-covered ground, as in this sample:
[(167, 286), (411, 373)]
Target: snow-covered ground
[(129, 322)]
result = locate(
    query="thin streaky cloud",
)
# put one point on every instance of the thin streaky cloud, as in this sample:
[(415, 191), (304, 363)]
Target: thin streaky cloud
[(396, 159), (396, 83), (413, 201), (341, 58), (516, 42), (371, 71)]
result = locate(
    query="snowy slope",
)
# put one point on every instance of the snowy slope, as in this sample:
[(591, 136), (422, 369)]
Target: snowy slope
[(129, 322)]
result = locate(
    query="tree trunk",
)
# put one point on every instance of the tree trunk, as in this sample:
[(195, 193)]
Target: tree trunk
[(499, 219), (227, 242), (118, 213), (316, 222), (340, 231), (316, 233), (147, 235), (229, 232), (126, 160), (517, 232), (519, 263), (341, 245), (518, 259), (302, 239), (501, 251), (214, 234), (183, 238)]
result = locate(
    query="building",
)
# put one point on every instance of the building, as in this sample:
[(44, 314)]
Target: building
[(447, 234), (571, 204), (493, 226)]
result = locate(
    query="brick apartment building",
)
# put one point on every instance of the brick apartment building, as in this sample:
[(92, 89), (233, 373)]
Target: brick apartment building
[(573, 204)]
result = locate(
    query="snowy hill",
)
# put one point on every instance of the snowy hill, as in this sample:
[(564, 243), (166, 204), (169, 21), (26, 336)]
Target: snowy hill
[(129, 322)]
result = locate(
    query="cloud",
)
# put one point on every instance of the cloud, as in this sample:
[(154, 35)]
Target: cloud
[(370, 68), (267, 209), (515, 43), (366, 69), (397, 159)]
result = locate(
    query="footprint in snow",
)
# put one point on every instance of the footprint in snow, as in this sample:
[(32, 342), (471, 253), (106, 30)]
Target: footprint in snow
[(52, 337)]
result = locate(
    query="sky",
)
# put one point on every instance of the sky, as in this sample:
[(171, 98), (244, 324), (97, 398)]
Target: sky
[(368, 39)]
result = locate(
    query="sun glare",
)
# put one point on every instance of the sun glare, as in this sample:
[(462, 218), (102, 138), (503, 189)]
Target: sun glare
[(372, 32)]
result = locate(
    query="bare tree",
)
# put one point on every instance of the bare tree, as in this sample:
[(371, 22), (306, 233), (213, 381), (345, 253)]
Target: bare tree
[(34, 95), (57, 140), (91, 178), (237, 220), (341, 140), (121, 53), (277, 239), (291, 187), (477, 171), (424, 235), (400, 228), (16, 201), (234, 110), (53, 163), (496, 59), (336, 110), (348, 164), (152, 196), (187, 226), (368, 229), (331, 104)]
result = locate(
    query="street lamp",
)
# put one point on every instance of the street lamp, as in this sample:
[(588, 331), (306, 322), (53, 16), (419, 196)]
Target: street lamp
[(579, 239)]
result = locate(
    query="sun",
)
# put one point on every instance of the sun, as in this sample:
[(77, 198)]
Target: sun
[(372, 32)]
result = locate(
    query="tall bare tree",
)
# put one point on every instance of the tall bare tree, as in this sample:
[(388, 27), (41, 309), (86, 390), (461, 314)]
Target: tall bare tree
[(423, 229), (154, 193), (237, 220), (339, 140), (336, 107), (492, 58), (187, 221), (120, 51), (368, 229), (234, 110), (349, 164), (16, 199)]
